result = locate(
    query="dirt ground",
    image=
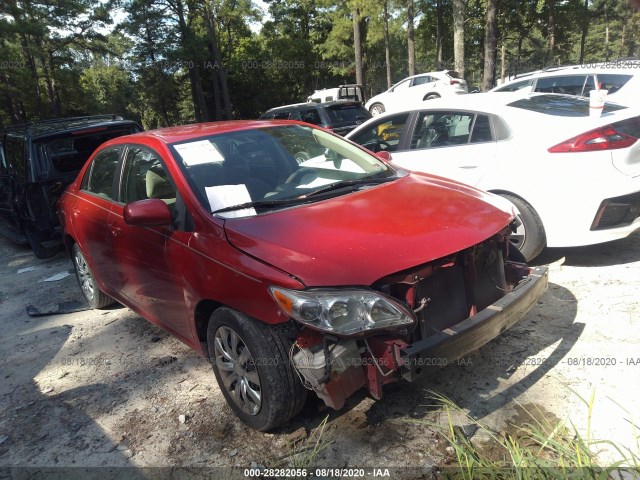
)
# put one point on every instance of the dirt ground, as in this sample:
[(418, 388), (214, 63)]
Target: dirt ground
[(105, 388)]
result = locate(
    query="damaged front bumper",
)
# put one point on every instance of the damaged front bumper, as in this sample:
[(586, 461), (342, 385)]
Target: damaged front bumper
[(425, 356), (337, 371)]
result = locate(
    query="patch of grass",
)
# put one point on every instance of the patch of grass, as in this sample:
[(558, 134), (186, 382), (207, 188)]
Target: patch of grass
[(538, 447), (305, 453)]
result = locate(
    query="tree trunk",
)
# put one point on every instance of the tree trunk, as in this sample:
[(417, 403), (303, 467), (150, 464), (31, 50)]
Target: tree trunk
[(490, 41), (502, 61), (197, 96), (387, 50), (585, 30), (606, 31), (552, 33), (439, 33), (357, 45), (410, 39), (458, 35)]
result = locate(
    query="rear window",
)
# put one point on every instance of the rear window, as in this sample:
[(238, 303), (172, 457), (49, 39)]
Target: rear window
[(349, 113), (612, 82), (454, 74), (69, 153), (560, 105)]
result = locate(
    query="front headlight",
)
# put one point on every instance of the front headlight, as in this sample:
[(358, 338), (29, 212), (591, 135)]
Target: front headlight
[(342, 311)]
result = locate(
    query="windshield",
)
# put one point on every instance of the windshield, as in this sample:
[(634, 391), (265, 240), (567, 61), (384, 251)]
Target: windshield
[(272, 167)]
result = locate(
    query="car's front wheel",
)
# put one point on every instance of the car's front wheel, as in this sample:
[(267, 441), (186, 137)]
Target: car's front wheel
[(95, 297), (376, 109), (529, 238), (251, 363)]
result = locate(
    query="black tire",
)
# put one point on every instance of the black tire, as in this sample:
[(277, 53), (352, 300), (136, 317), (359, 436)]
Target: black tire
[(258, 364), (515, 255), (530, 239), (95, 297), (376, 109), (431, 96), (35, 238)]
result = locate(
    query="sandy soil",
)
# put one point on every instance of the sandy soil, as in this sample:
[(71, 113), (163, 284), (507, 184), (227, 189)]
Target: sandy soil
[(105, 388)]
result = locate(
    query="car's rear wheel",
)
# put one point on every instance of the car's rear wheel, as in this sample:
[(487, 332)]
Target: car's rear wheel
[(431, 96), (376, 109), (251, 363), (95, 297), (529, 238)]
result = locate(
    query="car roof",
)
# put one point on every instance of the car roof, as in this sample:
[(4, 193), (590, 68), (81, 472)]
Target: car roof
[(56, 126), (570, 70), (180, 133), (519, 114), (313, 104)]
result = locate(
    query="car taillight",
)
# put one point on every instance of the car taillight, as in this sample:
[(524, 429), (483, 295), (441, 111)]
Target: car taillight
[(604, 138), (454, 82)]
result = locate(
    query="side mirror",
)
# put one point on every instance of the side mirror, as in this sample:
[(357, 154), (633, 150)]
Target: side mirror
[(152, 212), (383, 155)]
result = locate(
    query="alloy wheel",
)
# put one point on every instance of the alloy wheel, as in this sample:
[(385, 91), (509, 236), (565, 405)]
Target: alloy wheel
[(238, 370), (84, 275)]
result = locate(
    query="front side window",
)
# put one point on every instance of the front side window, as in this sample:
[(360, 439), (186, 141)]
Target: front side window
[(402, 85), (514, 87), (382, 135), (144, 176), (101, 174), (442, 128)]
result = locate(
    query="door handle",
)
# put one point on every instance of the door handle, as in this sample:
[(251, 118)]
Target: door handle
[(468, 167)]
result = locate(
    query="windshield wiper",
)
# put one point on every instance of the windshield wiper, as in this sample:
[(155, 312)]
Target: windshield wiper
[(348, 183), (300, 198), (259, 204)]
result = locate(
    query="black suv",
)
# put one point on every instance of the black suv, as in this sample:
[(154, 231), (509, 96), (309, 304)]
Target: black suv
[(37, 161), (340, 117)]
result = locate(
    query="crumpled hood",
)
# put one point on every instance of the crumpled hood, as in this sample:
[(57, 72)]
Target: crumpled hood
[(358, 238)]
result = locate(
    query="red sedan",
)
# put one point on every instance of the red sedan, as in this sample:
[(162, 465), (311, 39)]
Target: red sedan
[(293, 260)]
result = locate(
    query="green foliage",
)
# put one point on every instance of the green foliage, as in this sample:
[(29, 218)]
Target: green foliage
[(178, 61)]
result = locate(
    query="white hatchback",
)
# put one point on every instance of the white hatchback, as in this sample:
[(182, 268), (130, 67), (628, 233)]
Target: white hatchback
[(574, 178), (426, 86)]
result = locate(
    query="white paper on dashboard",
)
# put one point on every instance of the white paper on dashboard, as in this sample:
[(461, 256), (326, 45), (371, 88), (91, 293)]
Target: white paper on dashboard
[(197, 153), (222, 196)]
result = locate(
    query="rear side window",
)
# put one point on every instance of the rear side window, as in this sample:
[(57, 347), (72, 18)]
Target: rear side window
[(568, 85), (437, 129), (612, 82), (69, 154), (16, 157), (421, 80), (100, 177), (481, 130), (310, 115)]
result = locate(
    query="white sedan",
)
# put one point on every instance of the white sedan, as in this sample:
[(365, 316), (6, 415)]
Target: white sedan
[(425, 86), (575, 178)]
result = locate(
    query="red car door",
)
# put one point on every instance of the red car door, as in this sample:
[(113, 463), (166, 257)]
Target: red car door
[(93, 205), (144, 273)]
